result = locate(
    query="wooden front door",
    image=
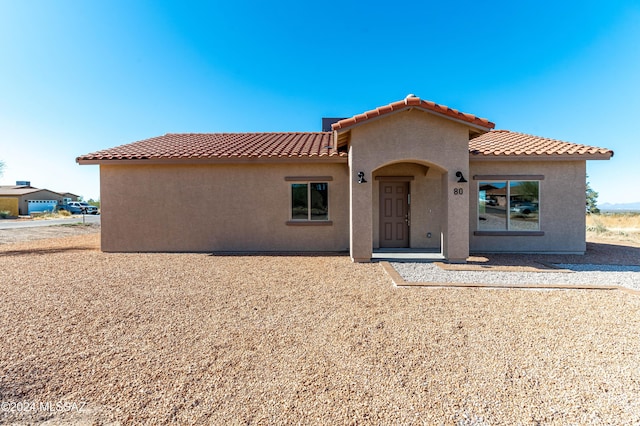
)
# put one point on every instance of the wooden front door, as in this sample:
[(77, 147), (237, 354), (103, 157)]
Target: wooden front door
[(394, 214)]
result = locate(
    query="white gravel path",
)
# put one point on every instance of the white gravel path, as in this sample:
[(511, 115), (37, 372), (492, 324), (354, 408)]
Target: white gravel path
[(605, 275)]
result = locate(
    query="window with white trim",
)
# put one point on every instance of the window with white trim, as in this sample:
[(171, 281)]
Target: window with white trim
[(509, 205), (310, 201)]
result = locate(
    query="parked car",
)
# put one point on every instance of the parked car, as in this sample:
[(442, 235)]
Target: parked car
[(79, 207), (524, 208)]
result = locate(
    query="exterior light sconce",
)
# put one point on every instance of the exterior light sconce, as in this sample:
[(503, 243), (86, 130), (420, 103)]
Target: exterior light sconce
[(462, 179), (361, 178)]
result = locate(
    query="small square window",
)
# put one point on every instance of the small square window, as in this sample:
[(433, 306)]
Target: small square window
[(310, 201)]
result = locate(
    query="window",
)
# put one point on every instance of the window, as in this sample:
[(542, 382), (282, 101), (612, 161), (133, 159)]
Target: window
[(509, 205), (310, 201)]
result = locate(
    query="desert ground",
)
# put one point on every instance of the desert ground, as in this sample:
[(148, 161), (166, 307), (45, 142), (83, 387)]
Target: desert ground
[(99, 338)]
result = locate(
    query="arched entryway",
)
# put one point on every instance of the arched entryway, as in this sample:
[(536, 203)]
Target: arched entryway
[(408, 209)]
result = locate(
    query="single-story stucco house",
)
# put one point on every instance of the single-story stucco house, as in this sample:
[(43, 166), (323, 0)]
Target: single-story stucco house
[(412, 174), (24, 199)]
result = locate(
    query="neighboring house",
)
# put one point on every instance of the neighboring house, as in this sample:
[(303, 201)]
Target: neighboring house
[(70, 196), (31, 199), (411, 174)]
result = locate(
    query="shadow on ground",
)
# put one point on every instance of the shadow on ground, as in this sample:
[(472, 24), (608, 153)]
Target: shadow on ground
[(597, 254), (44, 251)]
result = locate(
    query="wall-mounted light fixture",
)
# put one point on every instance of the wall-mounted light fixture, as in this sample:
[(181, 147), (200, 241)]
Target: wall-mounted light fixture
[(462, 179), (361, 178)]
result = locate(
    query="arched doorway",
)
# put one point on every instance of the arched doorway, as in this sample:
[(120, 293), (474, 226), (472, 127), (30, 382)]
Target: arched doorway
[(408, 211)]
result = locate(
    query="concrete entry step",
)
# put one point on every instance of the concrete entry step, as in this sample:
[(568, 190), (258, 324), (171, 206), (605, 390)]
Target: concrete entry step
[(406, 255)]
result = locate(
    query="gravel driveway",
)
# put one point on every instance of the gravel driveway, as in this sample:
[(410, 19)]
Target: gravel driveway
[(15, 235), (200, 339)]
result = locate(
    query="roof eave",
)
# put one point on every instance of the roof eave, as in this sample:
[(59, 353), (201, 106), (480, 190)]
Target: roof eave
[(228, 160), (557, 157)]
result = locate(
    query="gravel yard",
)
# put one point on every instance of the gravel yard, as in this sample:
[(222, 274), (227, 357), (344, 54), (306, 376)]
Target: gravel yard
[(200, 339)]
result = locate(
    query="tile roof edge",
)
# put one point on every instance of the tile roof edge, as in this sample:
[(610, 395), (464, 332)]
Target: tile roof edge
[(218, 160), (539, 157), (238, 133)]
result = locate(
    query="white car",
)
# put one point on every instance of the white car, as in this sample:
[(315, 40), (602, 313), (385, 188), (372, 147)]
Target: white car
[(79, 207)]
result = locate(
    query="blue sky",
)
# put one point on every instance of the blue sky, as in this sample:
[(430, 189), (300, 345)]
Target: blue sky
[(79, 76)]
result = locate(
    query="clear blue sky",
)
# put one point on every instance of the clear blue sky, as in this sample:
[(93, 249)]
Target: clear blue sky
[(79, 76)]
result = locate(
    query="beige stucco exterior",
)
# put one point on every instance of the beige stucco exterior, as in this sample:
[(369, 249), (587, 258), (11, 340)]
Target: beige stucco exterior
[(216, 207)]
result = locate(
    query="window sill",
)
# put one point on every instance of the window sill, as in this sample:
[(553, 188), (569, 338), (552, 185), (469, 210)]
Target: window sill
[(508, 233), (309, 223)]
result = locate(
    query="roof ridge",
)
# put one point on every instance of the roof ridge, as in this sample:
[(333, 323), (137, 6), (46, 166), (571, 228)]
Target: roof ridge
[(413, 102)]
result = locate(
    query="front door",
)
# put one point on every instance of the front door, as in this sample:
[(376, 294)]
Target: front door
[(394, 214)]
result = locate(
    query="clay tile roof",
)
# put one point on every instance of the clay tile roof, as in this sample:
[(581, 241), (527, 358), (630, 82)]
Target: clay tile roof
[(503, 143), (223, 145), (17, 190), (413, 102)]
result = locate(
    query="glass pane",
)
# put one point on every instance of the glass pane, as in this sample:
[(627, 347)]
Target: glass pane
[(299, 204), (524, 206), (492, 206), (319, 201)]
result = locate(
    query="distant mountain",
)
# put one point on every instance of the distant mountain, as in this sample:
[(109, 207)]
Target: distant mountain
[(620, 206)]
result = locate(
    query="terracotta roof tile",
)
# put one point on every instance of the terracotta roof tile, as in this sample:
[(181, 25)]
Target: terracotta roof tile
[(413, 102), (223, 145), (503, 143), (496, 143)]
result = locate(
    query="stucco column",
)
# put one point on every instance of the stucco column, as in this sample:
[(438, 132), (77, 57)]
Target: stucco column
[(456, 228), (360, 214)]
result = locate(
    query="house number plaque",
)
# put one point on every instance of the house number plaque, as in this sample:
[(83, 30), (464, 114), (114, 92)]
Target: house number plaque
[(458, 191)]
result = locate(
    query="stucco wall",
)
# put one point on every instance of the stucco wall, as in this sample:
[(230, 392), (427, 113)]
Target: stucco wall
[(562, 207), (226, 207), (410, 136)]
